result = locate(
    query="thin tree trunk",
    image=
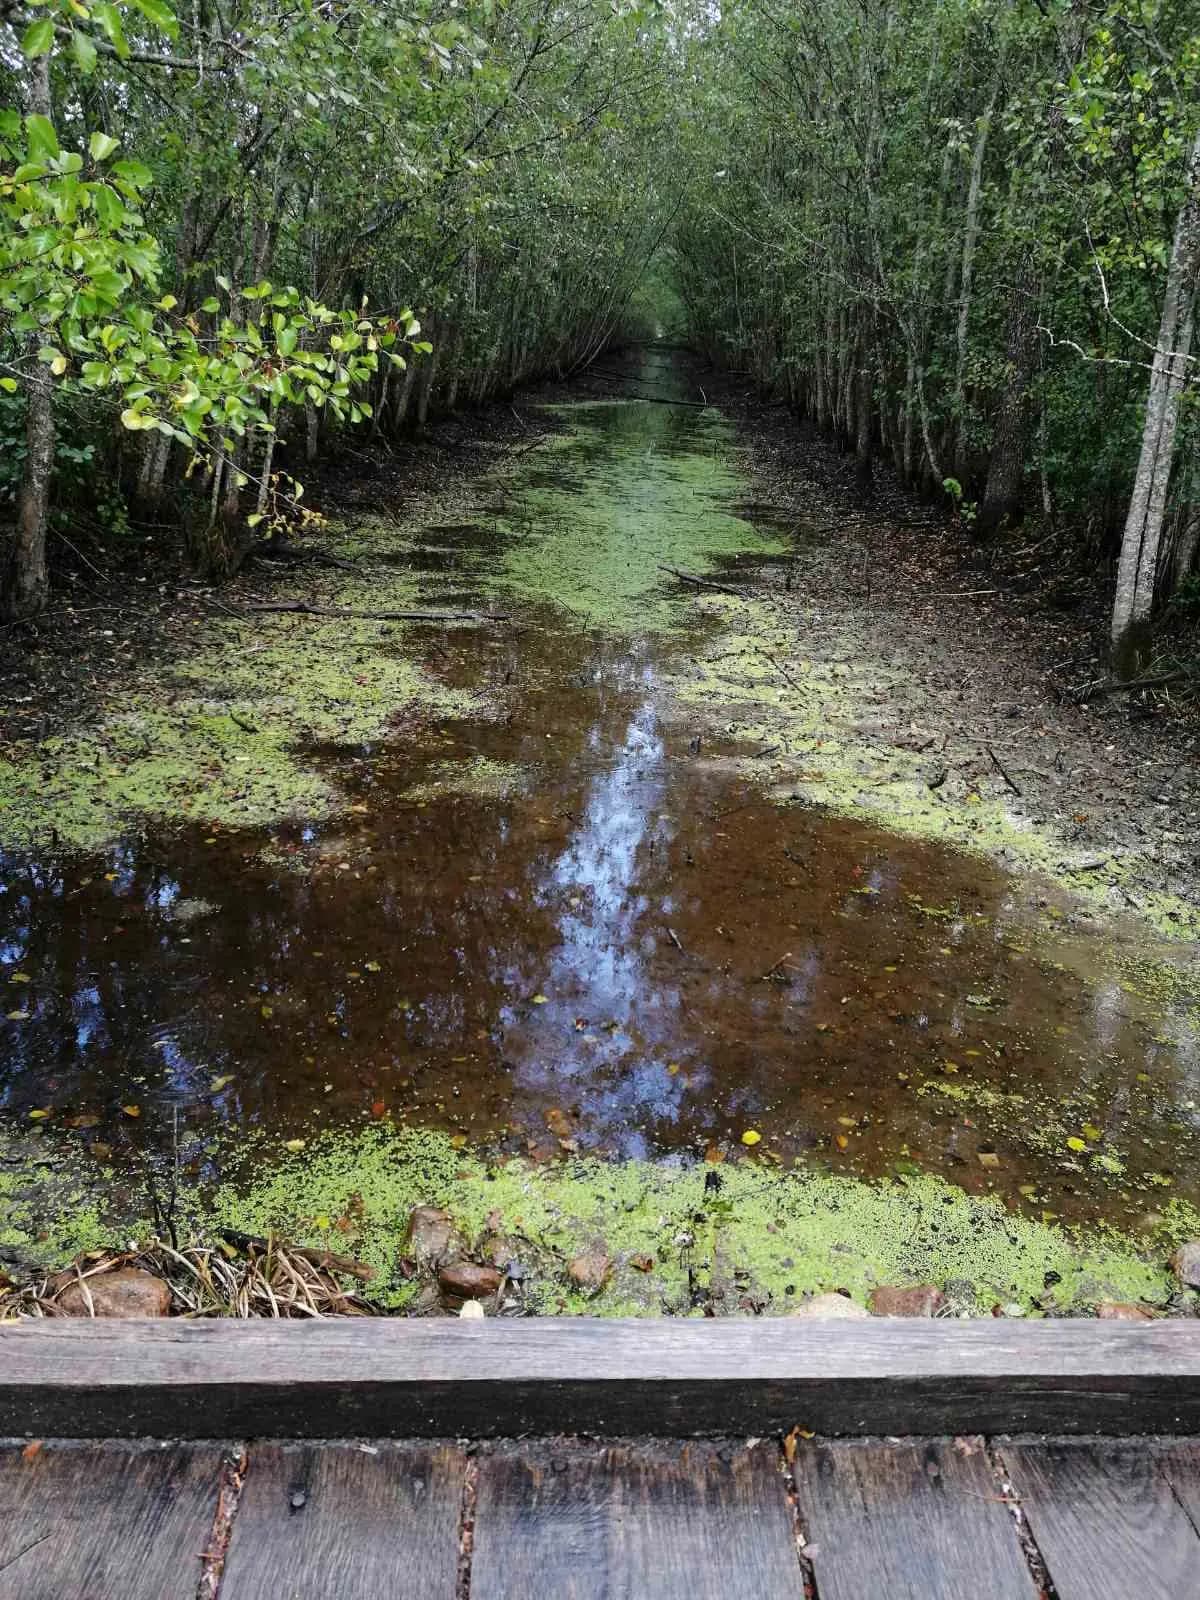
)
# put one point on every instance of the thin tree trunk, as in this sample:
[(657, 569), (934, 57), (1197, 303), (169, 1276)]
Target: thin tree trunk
[(25, 583), (1138, 568), (970, 241), (1006, 465)]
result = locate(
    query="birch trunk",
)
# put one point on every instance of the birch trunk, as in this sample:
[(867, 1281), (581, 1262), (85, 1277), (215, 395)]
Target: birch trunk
[(1138, 569)]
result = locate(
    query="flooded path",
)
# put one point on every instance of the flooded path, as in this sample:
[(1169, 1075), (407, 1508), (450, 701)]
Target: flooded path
[(558, 923)]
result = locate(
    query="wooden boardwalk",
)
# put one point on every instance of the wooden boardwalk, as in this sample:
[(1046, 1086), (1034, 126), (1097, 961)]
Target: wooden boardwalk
[(563, 1519), (789, 1460)]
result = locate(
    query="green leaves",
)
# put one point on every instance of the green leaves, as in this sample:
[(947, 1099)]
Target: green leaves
[(101, 146), (38, 38), (160, 14), (43, 141), (109, 21)]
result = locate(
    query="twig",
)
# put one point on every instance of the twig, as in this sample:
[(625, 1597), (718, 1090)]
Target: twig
[(703, 583), (674, 938), (995, 760), (301, 608)]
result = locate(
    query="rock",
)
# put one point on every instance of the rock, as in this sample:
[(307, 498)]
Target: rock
[(128, 1292), (1185, 1264), (829, 1305), (429, 1236), (924, 1300), (1123, 1311), (464, 1280), (590, 1269), (471, 1309)]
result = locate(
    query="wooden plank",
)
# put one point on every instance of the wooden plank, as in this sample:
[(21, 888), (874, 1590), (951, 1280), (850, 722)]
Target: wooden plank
[(1105, 1520), (690, 1522), (1180, 1462), (410, 1378), (348, 1521), (93, 1521), (922, 1521)]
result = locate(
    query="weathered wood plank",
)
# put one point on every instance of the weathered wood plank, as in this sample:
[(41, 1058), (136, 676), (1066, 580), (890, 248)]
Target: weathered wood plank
[(93, 1521), (1105, 1520), (1180, 1461), (918, 1521), (579, 1522), (414, 1378), (344, 1520)]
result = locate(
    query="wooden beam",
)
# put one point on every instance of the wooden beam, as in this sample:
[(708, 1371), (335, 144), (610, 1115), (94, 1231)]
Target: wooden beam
[(440, 1378)]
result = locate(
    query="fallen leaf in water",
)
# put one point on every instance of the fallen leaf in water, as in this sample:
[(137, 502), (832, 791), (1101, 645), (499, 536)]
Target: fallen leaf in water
[(751, 1136), (19, 977), (714, 1156), (221, 1083), (294, 1144), (988, 1158), (267, 1011), (32, 1449), (642, 1263), (132, 1111), (458, 1141), (18, 1016), (541, 1000), (111, 877), (1091, 1131), (1074, 1143), (558, 1122), (39, 1116), (86, 1120), (100, 1150), (673, 1068), (842, 1142), (379, 1109), (848, 1122), (372, 966)]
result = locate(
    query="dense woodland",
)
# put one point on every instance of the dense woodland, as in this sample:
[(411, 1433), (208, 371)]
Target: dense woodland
[(965, 235)]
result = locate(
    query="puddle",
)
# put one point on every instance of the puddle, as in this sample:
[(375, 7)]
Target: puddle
[(567, 928)]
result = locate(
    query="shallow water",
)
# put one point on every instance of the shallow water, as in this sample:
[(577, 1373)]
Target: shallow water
[(567, 927)]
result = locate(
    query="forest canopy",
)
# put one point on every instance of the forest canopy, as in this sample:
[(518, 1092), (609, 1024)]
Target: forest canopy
[(237, 233)]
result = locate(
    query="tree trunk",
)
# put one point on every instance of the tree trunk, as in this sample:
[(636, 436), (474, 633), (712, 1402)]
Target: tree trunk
[(970, 241), (1140, 544), (1006, 465), (25, 583)]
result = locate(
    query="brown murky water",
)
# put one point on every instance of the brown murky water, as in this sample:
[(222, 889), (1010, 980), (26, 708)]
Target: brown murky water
[(632, 954)]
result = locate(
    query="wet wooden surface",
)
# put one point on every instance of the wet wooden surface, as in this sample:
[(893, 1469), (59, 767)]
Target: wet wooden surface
[(675, 1377), (88, 1522), (644, 1519)]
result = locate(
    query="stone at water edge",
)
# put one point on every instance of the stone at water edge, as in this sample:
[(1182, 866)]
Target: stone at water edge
[(829, 1305), (591, 1269), (429, 1235), (128, 1292), (1122, 1311), (925, 1300), (1185, 1264), (471, 1310), (464, 1280)]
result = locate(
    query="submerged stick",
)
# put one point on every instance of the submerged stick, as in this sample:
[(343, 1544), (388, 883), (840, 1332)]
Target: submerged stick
[(704, 583), (301, 608)]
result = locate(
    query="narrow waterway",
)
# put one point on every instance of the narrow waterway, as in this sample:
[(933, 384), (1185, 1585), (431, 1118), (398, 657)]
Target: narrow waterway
[(565, 926)]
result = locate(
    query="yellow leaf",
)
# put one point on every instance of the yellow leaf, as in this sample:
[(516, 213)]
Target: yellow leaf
[(294, 1144), (1074, 1143), (673, 1068), (372, 966), (132, 1111), (458, 1141), (751, 1136), (18, 1016), (38, 1116), (19, 977), (988, 1158), (220, 1083), (541, 1000), (1091, 1131), (267, 1011), (842, 1142)]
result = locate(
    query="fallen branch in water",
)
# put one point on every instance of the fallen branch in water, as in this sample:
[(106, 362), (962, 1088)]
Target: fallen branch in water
[(301, 608), (704, 583)]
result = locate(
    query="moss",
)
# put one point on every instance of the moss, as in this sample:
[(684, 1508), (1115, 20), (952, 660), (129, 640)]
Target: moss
[(778, 1234), (223, 737), (479, 776)]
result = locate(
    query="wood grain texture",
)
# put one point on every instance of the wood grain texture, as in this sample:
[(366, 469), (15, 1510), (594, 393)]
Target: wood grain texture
[(1105, 1520), (94, 1522), (338, 1519), (646, 1521), (921, 1521), (1180, 1462), (429, 1379)]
